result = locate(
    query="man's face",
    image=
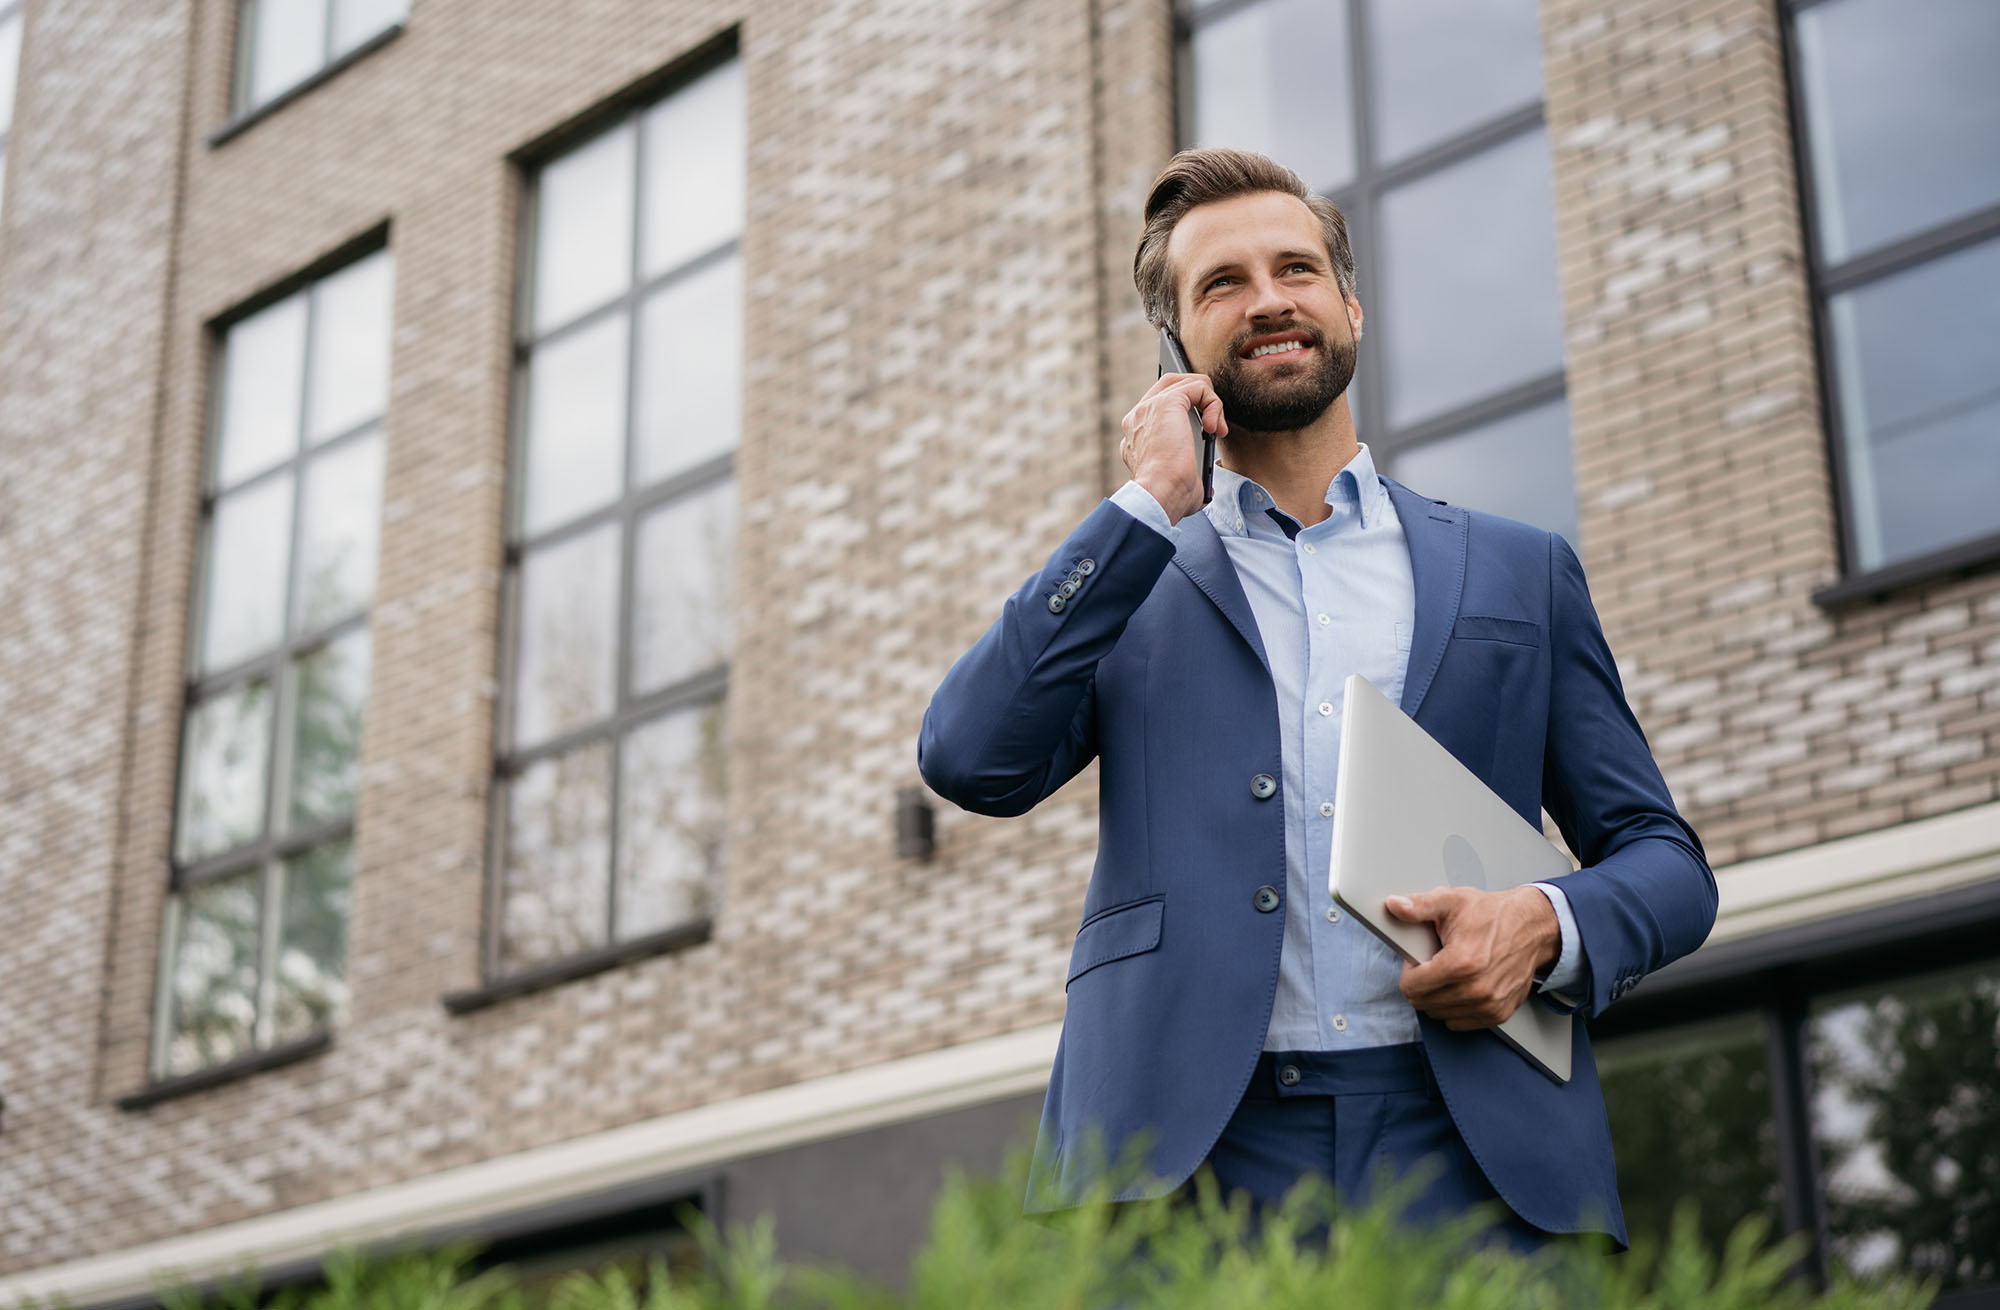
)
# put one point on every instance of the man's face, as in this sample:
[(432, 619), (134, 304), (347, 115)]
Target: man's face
[(1261, 311)]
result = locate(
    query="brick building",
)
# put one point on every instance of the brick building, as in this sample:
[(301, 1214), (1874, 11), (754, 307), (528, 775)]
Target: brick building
[(487, 489)]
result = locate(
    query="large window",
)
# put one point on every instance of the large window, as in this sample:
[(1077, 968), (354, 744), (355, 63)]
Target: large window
[(620, 585), (281, 43), (1899, 124), (10, 63), (254, 950), (1422, 120), (1866, 1115)]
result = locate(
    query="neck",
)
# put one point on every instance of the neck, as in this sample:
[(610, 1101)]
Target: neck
[(1295, 467)]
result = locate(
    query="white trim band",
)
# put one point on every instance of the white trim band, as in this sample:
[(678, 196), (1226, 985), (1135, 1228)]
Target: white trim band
[(819, 1108)]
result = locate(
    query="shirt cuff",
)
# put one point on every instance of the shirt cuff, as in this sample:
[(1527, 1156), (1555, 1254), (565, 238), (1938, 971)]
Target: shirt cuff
[(1568, 971), (1139, 503)]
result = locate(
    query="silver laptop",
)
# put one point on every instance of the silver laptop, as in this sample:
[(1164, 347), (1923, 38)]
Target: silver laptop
[(1409, 818)]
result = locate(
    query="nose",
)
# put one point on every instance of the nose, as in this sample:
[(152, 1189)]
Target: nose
[(1269, 298)]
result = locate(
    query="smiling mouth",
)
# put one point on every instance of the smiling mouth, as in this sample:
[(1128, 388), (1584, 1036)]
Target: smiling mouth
[(1276, 348)]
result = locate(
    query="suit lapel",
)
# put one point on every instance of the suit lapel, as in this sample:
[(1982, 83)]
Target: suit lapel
[(1436, 535), (1202, 556)]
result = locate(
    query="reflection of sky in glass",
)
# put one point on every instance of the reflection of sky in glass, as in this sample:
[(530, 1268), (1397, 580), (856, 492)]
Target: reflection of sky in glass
[(566, 673), (695, 165), (558, 884), (249, 545), (576, 424), (263, 369), (349, 370), (1519, 467), (685, 611), (1918, 372), (337, 541), (1273, 78), (290, 43), (583, 228), (1902, 115), (1443, 66), (690, 399), (1470, 300)]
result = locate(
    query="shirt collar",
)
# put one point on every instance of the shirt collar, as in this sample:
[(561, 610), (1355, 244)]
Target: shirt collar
[(1237, 497)]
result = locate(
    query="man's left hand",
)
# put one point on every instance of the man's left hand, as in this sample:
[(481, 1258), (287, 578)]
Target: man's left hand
[(1493, 943)]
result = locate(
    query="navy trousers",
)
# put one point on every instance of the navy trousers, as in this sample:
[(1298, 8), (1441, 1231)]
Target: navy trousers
[(1353, 1119)]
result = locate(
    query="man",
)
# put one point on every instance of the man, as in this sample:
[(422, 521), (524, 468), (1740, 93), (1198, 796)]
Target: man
[(1199, 655)]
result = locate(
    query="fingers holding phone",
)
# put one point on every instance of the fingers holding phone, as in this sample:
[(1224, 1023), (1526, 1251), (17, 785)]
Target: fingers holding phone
[(1157, 445)]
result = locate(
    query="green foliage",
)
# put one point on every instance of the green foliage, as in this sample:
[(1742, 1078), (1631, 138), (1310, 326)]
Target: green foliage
[(1196, 1253)]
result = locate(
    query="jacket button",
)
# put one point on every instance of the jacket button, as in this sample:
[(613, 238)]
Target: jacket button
[(1289, 1075), (1266, 899), (1263, 786), (1067, 589), (1056, 604), (1086, 567)]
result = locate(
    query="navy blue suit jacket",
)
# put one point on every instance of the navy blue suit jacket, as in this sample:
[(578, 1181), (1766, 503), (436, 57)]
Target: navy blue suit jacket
[(1154, 666)]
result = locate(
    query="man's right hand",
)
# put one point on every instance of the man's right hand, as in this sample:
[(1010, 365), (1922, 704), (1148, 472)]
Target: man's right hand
[(1160, 449)]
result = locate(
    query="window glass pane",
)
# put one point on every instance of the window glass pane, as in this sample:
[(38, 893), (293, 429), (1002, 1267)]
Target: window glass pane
[(288, 44), (337, 545), (1519, 467), (670, 820), (249, 545), (691, 371), (350, 347), (225, 759), (311, 975), (354, 21), (215, 973), (1902, 115), (1919, 402), (685, 599), (1469, 302), (332, 685), (695, 159), (1691, 1120), (1906, 1107), (1442, 66), (576, 425), (1274, 78), (558, 878), (583, 228), (10, 57), (263, 368), (568, 642)]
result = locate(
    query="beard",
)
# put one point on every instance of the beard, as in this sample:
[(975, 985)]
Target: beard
[(1282, 404)]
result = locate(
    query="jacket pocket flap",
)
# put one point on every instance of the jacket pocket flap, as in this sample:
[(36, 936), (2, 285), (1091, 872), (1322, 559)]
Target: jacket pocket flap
[(1481, 627), (1127, 930)]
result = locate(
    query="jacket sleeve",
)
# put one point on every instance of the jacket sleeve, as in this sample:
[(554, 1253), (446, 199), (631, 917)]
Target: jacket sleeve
[(1016, 717), (1644, 896)]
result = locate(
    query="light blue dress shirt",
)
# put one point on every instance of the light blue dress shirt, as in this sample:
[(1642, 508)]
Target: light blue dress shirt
[(1336, 598)]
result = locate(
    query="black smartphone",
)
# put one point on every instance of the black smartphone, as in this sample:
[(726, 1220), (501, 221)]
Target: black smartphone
[(1174, 360)]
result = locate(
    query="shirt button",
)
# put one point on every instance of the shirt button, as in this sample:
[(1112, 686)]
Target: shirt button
[(1266, 899), (1340, 1023), (1333, 914), (1263, 786), (1324, 620), (1290, 1075), (1326, 809), (1309, 549), (1325, 708)]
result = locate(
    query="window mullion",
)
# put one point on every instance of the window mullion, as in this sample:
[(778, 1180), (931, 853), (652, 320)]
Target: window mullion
[(1791, 1109)]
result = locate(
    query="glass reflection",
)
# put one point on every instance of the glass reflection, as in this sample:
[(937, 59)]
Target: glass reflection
[(1691, 1121), (1920, 405), (337, 546), (1471, 304), (263, 369), (670, 820), (1443, 66), (576, 425), (1902, 115), (583, 228), (10, 57), (350, 347), (214, 974), (225, 753), (1519, 467), (354, 21), (310, 991), (685, 612), (1906, 1107), (289, 43), (566, 671), (695, 162), (691, 371), (1273, 78), (555, 891), (249, 545), (331, 687)]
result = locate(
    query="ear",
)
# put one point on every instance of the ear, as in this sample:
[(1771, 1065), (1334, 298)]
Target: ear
[(1354, 316)]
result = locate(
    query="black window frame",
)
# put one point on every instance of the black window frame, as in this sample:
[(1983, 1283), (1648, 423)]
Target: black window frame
[(1359, 200), (243, 112), (1828, 278)]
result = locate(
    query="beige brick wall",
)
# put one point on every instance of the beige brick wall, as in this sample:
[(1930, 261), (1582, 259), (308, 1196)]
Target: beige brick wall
[(943, 335)]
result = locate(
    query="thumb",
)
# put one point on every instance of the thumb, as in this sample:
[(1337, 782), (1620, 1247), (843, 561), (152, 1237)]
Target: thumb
[(1424, 907)]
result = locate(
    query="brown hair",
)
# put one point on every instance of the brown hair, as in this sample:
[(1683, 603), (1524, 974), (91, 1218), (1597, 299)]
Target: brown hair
[(1201, 177)]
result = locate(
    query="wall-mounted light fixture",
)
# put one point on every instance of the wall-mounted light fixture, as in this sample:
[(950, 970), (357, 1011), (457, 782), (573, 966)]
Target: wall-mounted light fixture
[(916, 825)]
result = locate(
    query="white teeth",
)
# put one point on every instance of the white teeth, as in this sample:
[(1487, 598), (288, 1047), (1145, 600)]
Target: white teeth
[(1276, 347)]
